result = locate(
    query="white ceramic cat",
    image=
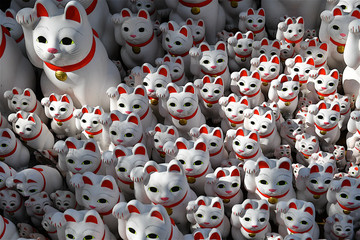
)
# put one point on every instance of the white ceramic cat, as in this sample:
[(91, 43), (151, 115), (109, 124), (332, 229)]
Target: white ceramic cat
[(136, 35), (334, 31), (248, 84), (286, 51), (8, 229), (25, 230), (340, 157), (254, 22), (250, 220), (35, 207), (35, 180), (176, 67), (205, 234), (276, 111), (12, 203), (283, 151), (5, 173), (324, 86), (346, 5), (339, 226), (60, 108), (12, 151), (345, 107), (290, 129), (210, 91), (306, 145), (51, 230), (318, 51), (208, 212), (353, 149), (284, 91), (232, 111), (69, 67), (210, 60), (239, 48), (64, 200), (197, 28), (225, 183), (297, 216), (267, 47), (292, 31), (302, 67)]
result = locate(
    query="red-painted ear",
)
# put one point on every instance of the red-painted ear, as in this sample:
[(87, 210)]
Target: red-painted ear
[(140, 151), (336, 108), (201, 202), (90, 146), (67, 195), (189, 22), (335, 74), (150, 169), (221, 46), (72, 13), (285, 165), (31, 119), (133, 119), (268, 116), (296, 78), (171, 89), (219, 81), (19, 115), (240, 132), (70, 145), (41, 11), (263, 58), (9, 14), (235, 173), (69, 218), (140, 91), (261, 12), (6, 134), (349, 221), (204, 48), (298, 59), (97, 111), (157, 129), (264, 207), (220, 174), (143, 14), (250, 11), (255, 75), (179, 61), (264, 42), (250, 36), (166, 59), (184, 31), (201, 23), (114, 117), (292, 205), (171, 26), (329, 170), (125, 13), (204, 130), (157, 214), (91, 219), (84, 110), (171, 131), (276, 59), (180, 145), (107, 184), (256, 112), (243, 73), (309, 210), (356, 14), (119, 153), (263, 164), (283, 79), (324, 46), (217, 205), (146, 69), (254, 137), (276, 44), (312, 43), (133, 209), (121, 90), (337, 220), (322, 106), (87, 180), (13, 195), (65, 99), (198, 236), (314, 169), (201, 146), (310, 61), (163, 71), (217, 133), (15, 92), (289, 21), (248, 206), (2, 170), (190, 89), (322, 71), (337, 12), (346, 183), (301, 20), (239, 36), (232, 99), (27, 93)]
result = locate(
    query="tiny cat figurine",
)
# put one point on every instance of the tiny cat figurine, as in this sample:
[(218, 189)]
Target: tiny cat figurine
[(64, 200), (345, 106), (132, 100), (302, 109), (283, 151), (7, 19), (136, 35), (12, 151), (12, 203), (334, 31), (204, 233), (5, 173), (35, 180), (224, 35), (25, 100), (214, 138), (99, 193), (197, 28), (250, 220), (296, 167), (69, 67), (60, 108), (324, 86), (297, 216), (233, 9), (263, 121), (208, 212), (276, 111), (145, 220), (254, 22), (339, 226), (35, 207), (302, 67), (310, 33), (161, 135), (286, 51), (210, 60), (342, 161), (353, 149), (51, 230), (312, 184), (269, 70), (290, 129), (176, 67), (269, 179), (318, 51), (210, 92), (292, 31), (232, 111), (248, 84), (284, 91), (322, 121), (239, 48), (323, 158), (225, 183), (25, 230), (306, 144), (267, 47), (8, 229)]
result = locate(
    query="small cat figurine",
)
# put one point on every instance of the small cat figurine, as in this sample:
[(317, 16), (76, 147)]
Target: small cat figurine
[(12, 203), (283, 151), (297, 216), (210, 92), (25, 230), (35, 207), (210, 60), (7, 19), (292, 31), (302, 67), (224, 35), (250, 220), (318, 51), (302, 109), (340, 156), (25, 100), (339, 226), (286, 51), (208, 212), (306, 145), (8, 229), (345, 106), (225, 183), (136, 35), (284, 91), (205, 234), (197, 28), (248, 84), (267, 47), (324, 86), (232, 111), (60, 108), (290, 129), (254, 22), (64, 200), (148, 5), (239, 48), (176, 67), (353, 149), (233, 9), (310, 33), (51, 230), (12, 151), (276, 111)]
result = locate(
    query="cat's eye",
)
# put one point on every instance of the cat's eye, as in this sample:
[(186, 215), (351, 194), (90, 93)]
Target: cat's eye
[(320, 55), (145, 83), (336, 27), (250, 21), (14, 102), (128, 135), (264, 126), (327, 181), (313, 181), (296, 88), (319, 81), (261, 69), (214, 217), (213, 144), (253, 85), (344, 195), (159, 85), (113, 133), (198, 32), (28, 129), (32, 190), (307, 70), (24, 103), (136, 106), (241, 111), (95, 122), (284, 89), (206, 61), (239, 46), (252, 123), (132, 230), (296, 69), (86, 162), (273, 53), (289, 218), (126, 29), (229, 109), (86, 197), (139, 4), (102, 200), (300, 30), (333, 118), (262, 219), (320, 117), (88, 237), (273, 69), (66, 41), (198, 162), (331, 84), (181, 161), (83, 120), (148, 6), (63, 109), (220, 60), (236, 143), (304, 222), (153, 189), (188, 104), (156, 140), (217, 91), (9, 29), (175, 189), (247, 219), (221, 186), (263, 182), (176, 71), (141, 29), (308, 52), (260, 21), (343, 7), (205, 90), (178, 43), (357, 198), (199, 215), (289, 31), (70, 161), (17, 126), (172, 104), (41, 39), (241, 83), (167, 39), (281, 183), (121, 105), (152, 236), (250, 44), (249, 147), (70, 236), (4, 145), (338, 229), (262, 51), (20, 190), (234, 185)]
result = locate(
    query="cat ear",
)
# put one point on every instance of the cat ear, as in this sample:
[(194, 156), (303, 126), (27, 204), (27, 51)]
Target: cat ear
[(329, 169), (6, 134), (264, 207), (356, 14), (296, 78), (73, 13), (275, 59), (2, 170), (133, 119), (119, 153), (121, 89), (143, 14), (248, 206), (314, 169), (263, 164), (336, 108), (204, 47), (203, 129), (243, 73), (125, 13), (255, 75), (346, 183), (250, 36), (206, 79), (157, 214), (184, 31), (276, 44), (298, 59), (289, 21), (69, 218), (97, 111), (140, 91), (322, 71), (133, 209), (265, 41), (90, 146), (174, 167), (310, 61), (322, 105), (200, 23), (140, 150), (300, 20), (199, 236), (15, 91), (201, 202), (41, 10), (218, 133), (10, 13), (312, 43), (269, 116), (324, 46), (335, 74), (166, 59), (200, 146), (27, 93), (263, 58), (157, 129), (235, 173), (240, 132), (114, 117), (220, 174), (261, 12), (219, 81), (239, 36), (256, 112), (309, 210), (180, 145), (87, 180), (65, 99), (91, 219), (217, 205), (292, 205), (171, 131), (163, 70), (337, 12), (31, 119), (285, 165), (84, 110), (107, 184), (232, 99), (220, 46), (150, 169), (171, 26), (283, 78), (189, 21), (250, 12), (145, 69)]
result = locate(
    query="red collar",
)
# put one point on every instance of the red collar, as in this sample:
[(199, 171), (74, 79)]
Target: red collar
[(292, 231), (141, 139), (325, 94), (179, 55), (76, 66), (142, 44), (347, 208), (306, 155), (256, 32), (325, 129), (3, 41), (145, 114), (94, 133), (236, 122), (125, 182), (103, 238), (179, 78), (214, 74), (251, 95), (202, 4), (52, 232), (200, 41), (32, 138), (110, 211), (171, 233), (340, 113), (292, 138), (339, 237), (216, 153), (64, 120), (186, 118), (252, 231), (98, 168), (278, 196), (315, 193), (265, 80), (242, 56), (247, 157), (199, 175), (201, 226), (20, 205), (278, 117), (320, 65), (287, 100), (33, 110), (177, 203), (10, 153), (265, 136), (211, 102), (289, 41), (228, 197), (20, 38), (43, 177), (91, 8), (4, 230), (161, 152), (337, 43)]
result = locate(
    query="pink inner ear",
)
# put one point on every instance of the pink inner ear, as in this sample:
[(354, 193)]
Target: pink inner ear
[(220, 174), (15, 92), (181, 145), (329, 170), (217, 205), (157, 214), (204, 48), (65, 99), (240, 132), (235, 173), (69, 218), (107, 184), (184, 31), (133, 119), (262, 12), (90, 146), (133, 209), (201, 202), (206, 79), (140, 91), (217, 133), (190, 89), (285, 165), (263, 164), (140, 151), (125, 13), (41, 10), (337, 12), (254, 137), (170, 26), (6, 134), (119, 153), (143, 14), (314, 169), (87, 180), (72, 13), (171, 132), (346, 183), (91, 219), (250, 11), (201, 146), (292, 205), (27, 93), (199, 236), (146, 69), (248, 206), (309, 210), (114, 117)]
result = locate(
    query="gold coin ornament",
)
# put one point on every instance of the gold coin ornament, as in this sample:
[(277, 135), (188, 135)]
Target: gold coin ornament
[(195, 10), (321, 97), (234, 4), (2, 159), (61, 76), (273, 200), (162, 155), (322, 132), (59, 123), (316, 196), (182, 122), (265, 84), (154, 102), (169, 211), (226, 200), (233, 124), (252, 235), (340, 49), (91, 136), (191, 179), (287, 104), (243, 59), (136, 50), (347, 212), (209, 105)]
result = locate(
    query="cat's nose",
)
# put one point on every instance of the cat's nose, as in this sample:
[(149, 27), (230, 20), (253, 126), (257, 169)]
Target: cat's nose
[(161, 146), (127, 112), (266, 74), (255, 25), (169, 46), (296, 227), (132, 35), (210, 95), (52, 50), (246, 89), (326, 122), (245, 50), (228, 191), (272, 190), (291, 94), (213, 67), (188, 169), (164, 198), (343, 34), (323, 88), (321, 187), (180, 110), (351, 203), (151, 90), (77, 169)]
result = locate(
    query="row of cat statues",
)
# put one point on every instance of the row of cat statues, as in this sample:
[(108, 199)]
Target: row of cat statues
[(189, 119)]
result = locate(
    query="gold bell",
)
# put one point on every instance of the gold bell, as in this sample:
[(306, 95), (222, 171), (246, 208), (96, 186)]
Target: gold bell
[(293, 44), (183, 122), (265, 84), (209, 105), (273, 200), (322, 132), (234, 4), (162, 155), (226, 200), (252, 235), (321, 97), (306, 157), (136, 50), (287, 104), (154, 102), (347, 212), (191, 179), (91, 136), (2, 159), (340, 49), (243, 59), (169, 211), (316, 196), (60, 75), (233, 124), (132, 186), (59, 123), (195, 10)]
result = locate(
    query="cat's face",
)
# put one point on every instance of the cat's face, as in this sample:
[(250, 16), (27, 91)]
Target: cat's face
[(25, 101), (63, 200), (209, 216), (177, 41), (339, 152), (255, 21), (286, 50), (90, 119), (176, 67), (307, 144), (214, 140), (275, 109), (249, 84), (269, 68), (320, 178), (344, 104), (7, 20), (212, 91), (234, 110), (46, 223), (228, 181), (269, 49), (155, 79), (135, 102), (327, 117), (255, 217), (244, 43), (338, 28), (126, 133), (317, 51), (327, 83), (354, 171), (90, 226), (27, 127), (263, 124), (163, 136), (295, 29), (37, 202), (292, 127), (283, 151), (289, 89), (302, 68), (343, 225), (213, 61), (348, 5), (304, 103), (348, 195), (60, 108), (10, 200), (299, 220), (182, 104), (148, 5), (7, 141), (136, 29), (197, 29), (246, 145)]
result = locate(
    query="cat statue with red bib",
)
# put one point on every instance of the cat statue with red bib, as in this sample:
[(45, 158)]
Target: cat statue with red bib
[(292, 31), (233, 10), (253, 21), (8, 229), (339, 226)]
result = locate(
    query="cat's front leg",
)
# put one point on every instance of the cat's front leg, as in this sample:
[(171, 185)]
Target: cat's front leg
[(351, 53), (195, 58), (249, 180), (326, 18)]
